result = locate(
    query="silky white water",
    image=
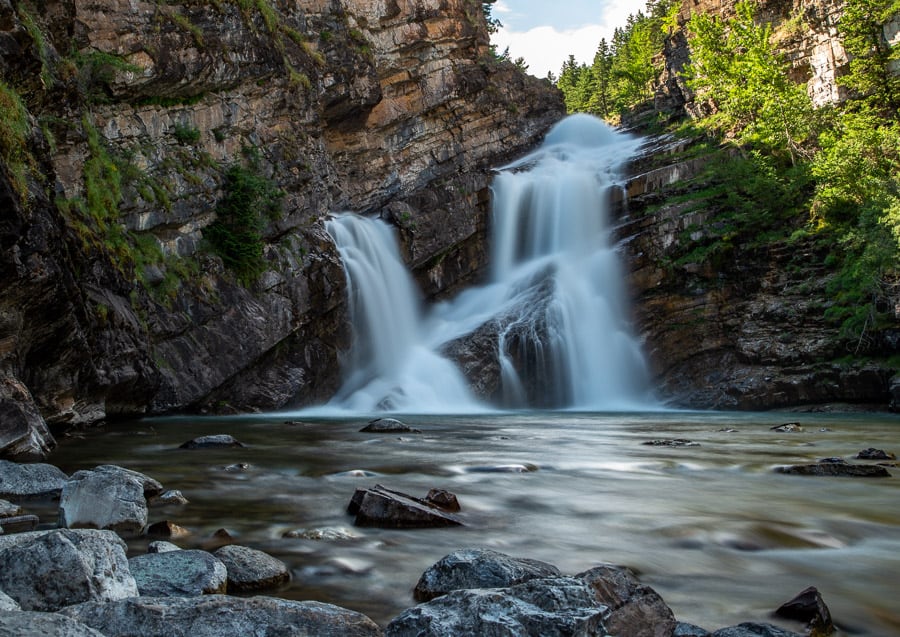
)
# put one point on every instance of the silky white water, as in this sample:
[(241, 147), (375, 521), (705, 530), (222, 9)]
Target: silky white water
[(555, 299)]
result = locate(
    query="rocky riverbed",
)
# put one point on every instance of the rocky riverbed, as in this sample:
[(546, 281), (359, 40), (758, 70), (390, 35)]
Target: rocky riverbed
[(134, 574)]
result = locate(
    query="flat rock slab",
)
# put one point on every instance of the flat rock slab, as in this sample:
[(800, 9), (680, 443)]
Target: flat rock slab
[(217, 441), (675, 442), (556, 607), (478, 568), (251, 570), (35, 624), (47, 570), (178, 574), (19, 523), (388, 426), (222, 616), (839, 469), (750, 629), (104, 498), (384, 508), (30, 481)]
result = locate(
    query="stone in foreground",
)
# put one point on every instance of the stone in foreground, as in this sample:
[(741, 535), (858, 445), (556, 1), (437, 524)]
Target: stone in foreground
[(251, 570), (808, 607), (555, 607), (751, 629), (222, 616), (178, 574), (478, 568), (636, 610), (35, 624), (104, 498), (27, 481), (47, 570), (384, 508)]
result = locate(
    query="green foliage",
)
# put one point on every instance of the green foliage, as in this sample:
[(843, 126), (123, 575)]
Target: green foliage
[(14, 132), (236, 235), (37, 36), (735, 67), (871, 56), (186, 133), (96, 70)]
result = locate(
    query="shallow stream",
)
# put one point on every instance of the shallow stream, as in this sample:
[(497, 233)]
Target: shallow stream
[(712, 528)]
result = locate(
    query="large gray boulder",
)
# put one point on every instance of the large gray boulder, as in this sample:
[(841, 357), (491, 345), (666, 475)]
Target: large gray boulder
[(222, 616), (752, 629), (251, 570), (27, 481), (554, 607), (48, 570), (386, 508), (478, 568), (178, 574), (107, 497), (35, 624)]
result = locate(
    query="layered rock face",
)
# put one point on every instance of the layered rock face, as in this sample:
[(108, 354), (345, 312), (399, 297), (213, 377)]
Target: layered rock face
[(806, 31), (113, 303)]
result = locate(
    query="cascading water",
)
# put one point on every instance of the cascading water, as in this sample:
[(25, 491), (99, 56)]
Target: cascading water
[(555, 307)]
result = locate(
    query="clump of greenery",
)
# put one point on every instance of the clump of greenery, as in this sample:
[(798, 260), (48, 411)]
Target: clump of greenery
[(14, 131), (96, 70), (186, 133), (249, 199)]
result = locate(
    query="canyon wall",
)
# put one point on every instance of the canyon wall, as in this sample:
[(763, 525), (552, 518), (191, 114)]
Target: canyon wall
[(112, 302)]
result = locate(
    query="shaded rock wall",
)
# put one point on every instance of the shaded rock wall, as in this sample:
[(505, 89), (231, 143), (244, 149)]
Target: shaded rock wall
[(385, 107)]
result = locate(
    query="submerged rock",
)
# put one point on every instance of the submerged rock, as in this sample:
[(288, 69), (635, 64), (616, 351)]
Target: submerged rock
[(168, 497), (178, 574), (389, 426), (478, 568), (875, 454), (788, 427), (672, 442), (47, 570), (381, 507), (443, 499), (839, 469), (222, 616), (251, 570), (217, 441), (167, 528), (26, 481)]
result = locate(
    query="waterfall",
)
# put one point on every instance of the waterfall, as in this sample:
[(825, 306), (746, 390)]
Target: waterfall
[(554, 313)]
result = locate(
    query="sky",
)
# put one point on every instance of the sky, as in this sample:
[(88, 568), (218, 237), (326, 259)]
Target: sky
[(546, 32)]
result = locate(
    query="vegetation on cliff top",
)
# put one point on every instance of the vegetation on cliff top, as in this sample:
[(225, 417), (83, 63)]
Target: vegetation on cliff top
[(830, 175)]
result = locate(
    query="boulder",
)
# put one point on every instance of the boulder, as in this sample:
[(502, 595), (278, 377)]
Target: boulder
[(443, 500), (178, 574), (26, 481), (104, 498), (24, 436), (217, 441), (47, 570), (635, 610), (808, 607), (161, 546), (222, 616), (152, 488), (832, 468), (167, 528), (384, 508), (875, 454), (35, 624), (389, 426), (751, 629), (251, 570), (8, 603), (168, 497), (553, 607), (478, 568), (788, 428)]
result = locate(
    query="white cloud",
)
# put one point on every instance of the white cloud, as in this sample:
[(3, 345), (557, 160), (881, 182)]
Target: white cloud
[(545, 48)]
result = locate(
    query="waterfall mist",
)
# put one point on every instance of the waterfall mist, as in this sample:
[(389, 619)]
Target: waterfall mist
[(552, 321)]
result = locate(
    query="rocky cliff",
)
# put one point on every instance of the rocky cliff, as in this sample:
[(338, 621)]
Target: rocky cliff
[(746, 329), (128, 127)]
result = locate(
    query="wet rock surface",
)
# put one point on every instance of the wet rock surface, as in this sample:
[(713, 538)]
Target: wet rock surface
[(385, 508), (106, 498), (836, 467), (251, 570), (217, 441), (25, 481), (389, 426), (178, 574), (47, 570)]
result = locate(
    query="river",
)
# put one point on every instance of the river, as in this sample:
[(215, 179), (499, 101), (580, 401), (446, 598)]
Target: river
[(719, 534)]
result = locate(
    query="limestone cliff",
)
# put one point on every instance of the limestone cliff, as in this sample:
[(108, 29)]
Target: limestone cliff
[(112, 301)]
